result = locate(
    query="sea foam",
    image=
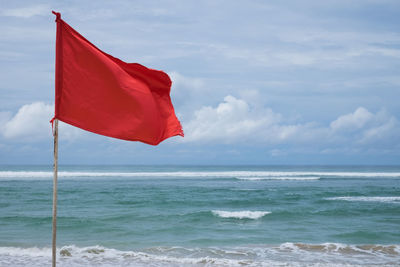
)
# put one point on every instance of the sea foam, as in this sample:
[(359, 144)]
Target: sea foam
[(392, 199), (246, 214), (197, 174), (286, 254), (283, 178)]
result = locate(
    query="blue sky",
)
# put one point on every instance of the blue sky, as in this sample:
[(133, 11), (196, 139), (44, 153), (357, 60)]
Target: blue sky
[(254, 82)]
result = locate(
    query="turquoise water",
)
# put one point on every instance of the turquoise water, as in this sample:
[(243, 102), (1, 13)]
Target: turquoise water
[(202, 216)]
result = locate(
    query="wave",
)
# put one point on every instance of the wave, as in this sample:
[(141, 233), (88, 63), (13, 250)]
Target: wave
[(197, 174), (279, 178), (368, 199), (343, 248), (286, 254), (246, 214)]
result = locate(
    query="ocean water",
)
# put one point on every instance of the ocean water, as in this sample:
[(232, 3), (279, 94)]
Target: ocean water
[(202, 216)]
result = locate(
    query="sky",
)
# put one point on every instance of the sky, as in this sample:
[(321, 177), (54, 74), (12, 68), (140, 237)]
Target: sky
[(254, 82)]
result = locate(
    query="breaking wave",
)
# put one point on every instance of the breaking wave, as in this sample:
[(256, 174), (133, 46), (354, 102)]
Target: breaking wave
[(286, 175), (279, 178), (368, 199), (286, 254), (246, 214)]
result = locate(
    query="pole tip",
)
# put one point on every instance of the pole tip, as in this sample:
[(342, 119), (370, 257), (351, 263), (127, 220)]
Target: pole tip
[(58, 15)]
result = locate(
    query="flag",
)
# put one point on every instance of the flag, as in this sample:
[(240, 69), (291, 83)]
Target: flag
[(105, 95)]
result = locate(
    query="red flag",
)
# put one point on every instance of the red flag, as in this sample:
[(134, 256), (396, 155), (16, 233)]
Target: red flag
[(102, 94)]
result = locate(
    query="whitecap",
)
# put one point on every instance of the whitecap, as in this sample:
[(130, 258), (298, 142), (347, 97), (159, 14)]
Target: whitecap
[(197, 174), (393, 199), (309, 178), (286, 254), (372, 249), (246, 214)]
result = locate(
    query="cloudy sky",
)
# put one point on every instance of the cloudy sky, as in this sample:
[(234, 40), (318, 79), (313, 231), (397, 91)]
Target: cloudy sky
[(254, 82)]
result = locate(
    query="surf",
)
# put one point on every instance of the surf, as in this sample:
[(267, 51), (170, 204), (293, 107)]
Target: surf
[(246, 214), (202, 174)]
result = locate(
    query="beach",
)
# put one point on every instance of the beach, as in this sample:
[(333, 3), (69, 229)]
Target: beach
[(202, 216)]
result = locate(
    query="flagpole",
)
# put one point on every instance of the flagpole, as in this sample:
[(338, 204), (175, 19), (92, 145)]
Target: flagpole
[(54, 248)]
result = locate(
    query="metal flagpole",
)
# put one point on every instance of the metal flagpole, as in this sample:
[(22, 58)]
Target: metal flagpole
[(54, 249)]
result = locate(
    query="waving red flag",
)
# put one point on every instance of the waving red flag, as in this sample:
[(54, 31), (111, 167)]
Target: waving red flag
[(102, 94)]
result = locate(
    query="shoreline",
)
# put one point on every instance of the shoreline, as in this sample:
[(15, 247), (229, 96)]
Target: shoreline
[(286, 254)]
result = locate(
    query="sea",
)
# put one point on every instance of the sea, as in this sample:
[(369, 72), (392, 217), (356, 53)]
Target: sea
[(202, 216)]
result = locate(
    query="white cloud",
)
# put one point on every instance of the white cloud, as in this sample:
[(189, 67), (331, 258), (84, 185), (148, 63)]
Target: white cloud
[(365, 127), (187, 94), (234, 120), (31, 124), (352, 121), (385, 128), (230, 120), (26, 12)]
